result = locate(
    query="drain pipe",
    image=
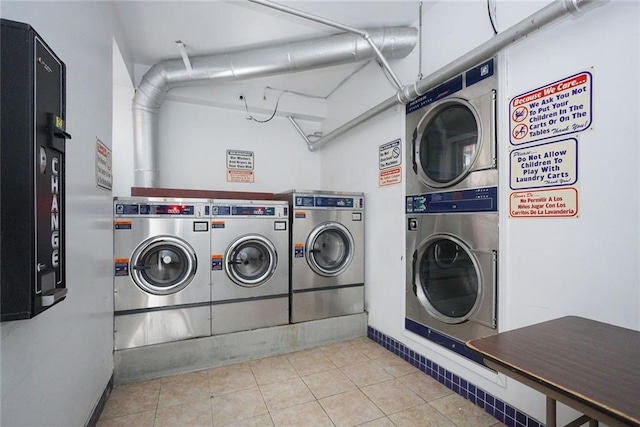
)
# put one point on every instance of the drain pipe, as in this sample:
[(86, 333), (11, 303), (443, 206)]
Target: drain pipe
[(544, 16), (362, 33)]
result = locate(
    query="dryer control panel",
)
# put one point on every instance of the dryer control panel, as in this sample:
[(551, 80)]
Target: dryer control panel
[(470, 201), (330, 202)]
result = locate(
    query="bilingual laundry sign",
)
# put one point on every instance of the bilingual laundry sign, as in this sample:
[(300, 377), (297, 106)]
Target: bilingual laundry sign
[(561, 108)]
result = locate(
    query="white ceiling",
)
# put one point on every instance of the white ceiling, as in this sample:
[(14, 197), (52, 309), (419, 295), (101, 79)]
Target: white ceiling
[(214, 26), (208, 27)]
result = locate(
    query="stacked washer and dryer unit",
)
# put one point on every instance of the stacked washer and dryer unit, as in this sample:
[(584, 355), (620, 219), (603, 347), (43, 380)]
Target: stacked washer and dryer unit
[(188, 268), (451, 210)]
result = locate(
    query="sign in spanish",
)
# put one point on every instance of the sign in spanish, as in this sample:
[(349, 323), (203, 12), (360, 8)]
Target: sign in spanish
[(239, 160), (104, 177), (390, 176), (240, 176), (550, 203), (560, 108), (390, 161), (553, 164)]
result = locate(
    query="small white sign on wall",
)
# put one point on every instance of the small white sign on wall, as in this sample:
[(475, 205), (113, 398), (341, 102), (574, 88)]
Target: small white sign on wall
[(553, 164), (240, 166), (104, 177), (390, 161)]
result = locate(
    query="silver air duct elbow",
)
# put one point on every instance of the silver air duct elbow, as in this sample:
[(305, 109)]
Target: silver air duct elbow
[(394, 42)]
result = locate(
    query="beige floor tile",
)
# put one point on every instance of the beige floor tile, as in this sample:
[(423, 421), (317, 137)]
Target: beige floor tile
[(462, 412), (425, 386), (370, 348), (131, 399), (258, 421), (308, 415), (350, 409), (366, 373), (392, 396), (310, 362), (273, 369), (192, 414), (286, 394), (380, 422), (420, 416), (396, 366), (141, 419), (344, 354), (241, 405), (227, 379), (324, 384), (184, 388)]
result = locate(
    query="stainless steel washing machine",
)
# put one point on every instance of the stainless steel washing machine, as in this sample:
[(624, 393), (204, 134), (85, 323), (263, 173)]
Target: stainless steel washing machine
[(451, 134), (161, 266), (249, 265), (452, 261), (327, 254)]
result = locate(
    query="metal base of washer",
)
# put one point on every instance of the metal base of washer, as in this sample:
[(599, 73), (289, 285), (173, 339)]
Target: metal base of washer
[(322, 303), (249, 314), (154, 327)]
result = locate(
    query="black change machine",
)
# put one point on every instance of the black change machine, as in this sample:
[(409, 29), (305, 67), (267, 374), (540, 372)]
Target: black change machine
[(32, 162)]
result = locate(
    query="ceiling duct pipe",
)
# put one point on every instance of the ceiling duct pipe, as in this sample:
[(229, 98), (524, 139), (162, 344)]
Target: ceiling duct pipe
[(394, 42), (408, 93)]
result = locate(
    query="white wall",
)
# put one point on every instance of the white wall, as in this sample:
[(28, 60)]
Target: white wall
[(56, 365), (548, 267), (194, 140)]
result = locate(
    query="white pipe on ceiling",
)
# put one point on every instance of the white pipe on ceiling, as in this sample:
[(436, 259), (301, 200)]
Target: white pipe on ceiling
[(394, 42), (408, 93)]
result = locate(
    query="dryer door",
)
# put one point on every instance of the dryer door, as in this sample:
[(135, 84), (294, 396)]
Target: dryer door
[(163, 265), (448, 142), (329, 249), (251, 260), (448, 278)]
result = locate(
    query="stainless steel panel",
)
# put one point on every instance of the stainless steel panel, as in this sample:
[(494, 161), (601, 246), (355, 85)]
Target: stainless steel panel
[(249, 314), (323, 303), (227, 230), (244, 309), (479, 232), (302, 276), (481, 98), (154, 327), (128, 295)]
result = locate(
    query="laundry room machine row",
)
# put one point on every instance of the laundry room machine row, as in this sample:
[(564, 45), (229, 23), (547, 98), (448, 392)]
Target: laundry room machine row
[(188, 268)]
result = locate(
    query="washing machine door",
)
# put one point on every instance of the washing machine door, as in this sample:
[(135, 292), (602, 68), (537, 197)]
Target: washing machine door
[(251, 260), (329, 249), (447, 142), (447, 278), (163, 265)]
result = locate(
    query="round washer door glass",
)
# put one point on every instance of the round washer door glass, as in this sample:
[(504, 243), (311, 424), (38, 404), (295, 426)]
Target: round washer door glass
[(447, 143), (447, 278), (163, 265), (329, 249), (251, 261)]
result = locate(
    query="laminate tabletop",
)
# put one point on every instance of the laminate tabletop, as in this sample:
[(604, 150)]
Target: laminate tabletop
[(595, 363)]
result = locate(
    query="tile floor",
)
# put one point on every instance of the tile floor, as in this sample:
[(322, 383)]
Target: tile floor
[(355, 383)]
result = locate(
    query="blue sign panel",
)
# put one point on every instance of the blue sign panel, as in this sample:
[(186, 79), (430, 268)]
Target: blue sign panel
[(474, 200)]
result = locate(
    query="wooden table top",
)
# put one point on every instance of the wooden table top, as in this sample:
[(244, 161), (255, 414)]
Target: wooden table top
[(595, 363)]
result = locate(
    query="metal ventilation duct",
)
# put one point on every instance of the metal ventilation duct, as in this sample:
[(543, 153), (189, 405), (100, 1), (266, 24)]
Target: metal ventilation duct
[(394, 42)]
